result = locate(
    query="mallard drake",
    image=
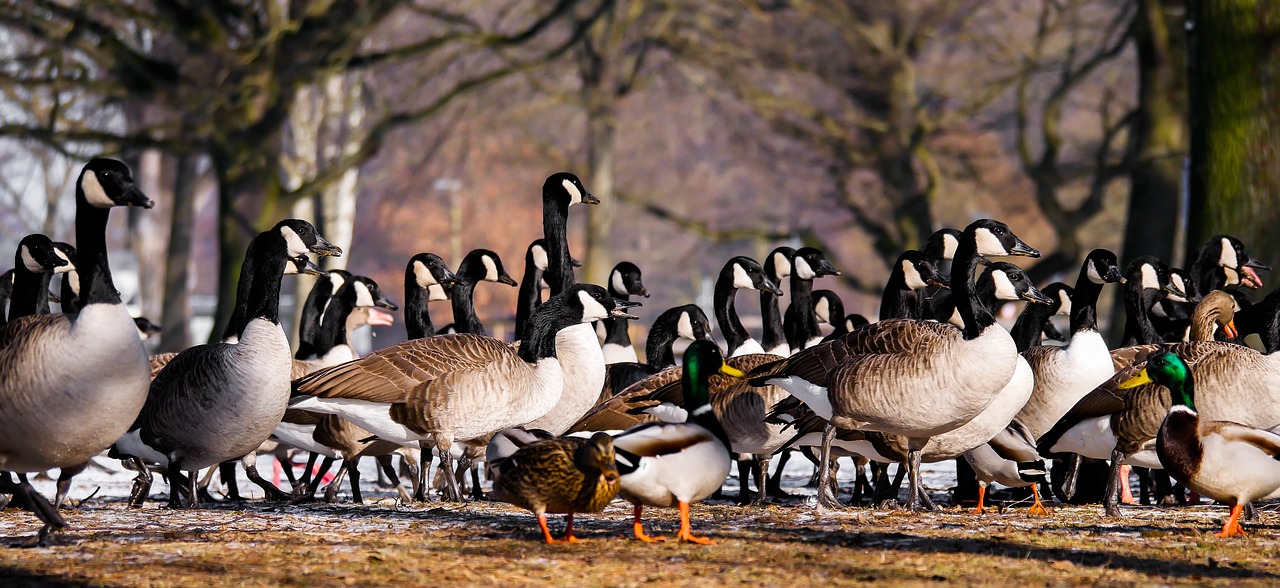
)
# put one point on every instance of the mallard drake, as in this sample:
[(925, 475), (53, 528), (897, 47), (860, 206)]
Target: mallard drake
[(677, 464), (1226, 461), (561, 475)]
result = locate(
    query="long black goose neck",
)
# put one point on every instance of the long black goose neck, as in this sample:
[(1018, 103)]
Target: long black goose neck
[(659, 349), (771, 316), (538, 341), (462, 298), (530, 295), (898, 300), (555, 220), (30, 294), (615, 330), (96, 286), (417, 319), (805, 320), (332, 330), (1138, 329), (1084, 301), (976, 318), (1026, 331), (313, 310), (267, 270), (726, 314)]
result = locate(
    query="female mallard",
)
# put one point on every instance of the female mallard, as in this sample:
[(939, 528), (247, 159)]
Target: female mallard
[(1223, 460), (561, 475), (669, 464)]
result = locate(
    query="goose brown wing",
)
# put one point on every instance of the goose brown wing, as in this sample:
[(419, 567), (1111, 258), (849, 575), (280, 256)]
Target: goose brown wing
[(893, 337), (1107, 398), (626, 409), (24, 333), (158, 361), (392, 373)]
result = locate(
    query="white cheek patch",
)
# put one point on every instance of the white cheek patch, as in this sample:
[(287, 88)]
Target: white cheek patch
[(741, 279), (540, 259), (336, 281), (803, 271), (823, 310), (293, 242), (435, 293), (490, 268), (781, 265), (949, 245), (988, 244), (591, 310), (1177, 281), (1228, 256), (30, 262), (422, 275), (1093, 274), (575, 195), (94, 193), (75, 281), (684, 327), (1233, 277), (912, 276), (615, 282), (66, 268), (1150, 280), (1005, 289), (363, 296), (1065, 308)]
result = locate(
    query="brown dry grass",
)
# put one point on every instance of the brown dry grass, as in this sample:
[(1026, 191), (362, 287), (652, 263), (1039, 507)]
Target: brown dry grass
[(483, 544)]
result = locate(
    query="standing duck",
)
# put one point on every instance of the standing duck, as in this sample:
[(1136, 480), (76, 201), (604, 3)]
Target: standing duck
[(561, 475)]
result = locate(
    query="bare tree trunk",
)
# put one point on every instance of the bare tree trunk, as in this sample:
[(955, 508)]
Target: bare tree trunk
[(601, 130), (147, 238), (1235, 123), (175, 315)]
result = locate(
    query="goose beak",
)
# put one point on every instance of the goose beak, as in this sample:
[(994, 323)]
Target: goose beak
[(1173, 289), (133, 196), (506, 279), (640, 290), (731, 371), (1138, 380), (325, 248), (768, 286), (1035, 295), (449, 278), (306, 267), (940, 280), (1023, 250), (620, 307), (1251, 279), (1230, 329), (826, 269), (380, 318), (384, 302), (1113, 276), (1255, 264), (589, 198)]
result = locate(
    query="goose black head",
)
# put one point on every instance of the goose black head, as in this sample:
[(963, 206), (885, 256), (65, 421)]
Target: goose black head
[(1147, 272), (745, 273), (1180, 280), (301, 238), (625, 280), (368, 294), (38, 255), (692, 323), (918, 272), (1009, 283), (1061, 295), (942, 245), (536, 255), (1233, 262), (429, 271), (828, 307), (67, 252), (105, 183), (146, 328), (777, 265), (1103, 267), (566, 189), (483, 265), (593, 303), (810, 263), (996, 239)]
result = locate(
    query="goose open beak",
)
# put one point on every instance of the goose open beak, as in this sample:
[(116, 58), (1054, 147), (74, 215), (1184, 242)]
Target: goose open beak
[(325, 248), (1035, 295), (1230, 329), (303, 265), (1173, 289), (1138, 380), (1251, 278), (384, 302), (940, 280), (380, 318), (620, 307)]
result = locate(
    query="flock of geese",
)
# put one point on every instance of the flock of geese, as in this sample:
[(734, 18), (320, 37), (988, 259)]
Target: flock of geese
[(567, 418)]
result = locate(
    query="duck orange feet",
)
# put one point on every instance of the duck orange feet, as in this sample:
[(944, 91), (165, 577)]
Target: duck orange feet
[(638, 528), (1232, 526)]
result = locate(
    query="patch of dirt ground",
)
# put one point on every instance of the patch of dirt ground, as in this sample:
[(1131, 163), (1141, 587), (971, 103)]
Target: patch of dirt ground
[(380, 544)]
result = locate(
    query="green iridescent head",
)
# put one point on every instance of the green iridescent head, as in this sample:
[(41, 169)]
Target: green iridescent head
[(701, 359), (1168, 370)]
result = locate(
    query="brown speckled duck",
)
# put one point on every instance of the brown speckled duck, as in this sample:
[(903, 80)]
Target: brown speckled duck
[(561, 475)]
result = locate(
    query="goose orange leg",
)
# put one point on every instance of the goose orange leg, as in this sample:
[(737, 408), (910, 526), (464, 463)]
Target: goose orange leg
[(1037, 508), (686, 533), (638, 528), (1232, 526), (982, 495)]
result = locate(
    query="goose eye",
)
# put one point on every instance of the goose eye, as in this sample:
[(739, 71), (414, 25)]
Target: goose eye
[(998, 230)]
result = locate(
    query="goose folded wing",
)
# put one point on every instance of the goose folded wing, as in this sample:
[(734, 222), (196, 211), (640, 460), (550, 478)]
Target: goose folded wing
[(894, 337)]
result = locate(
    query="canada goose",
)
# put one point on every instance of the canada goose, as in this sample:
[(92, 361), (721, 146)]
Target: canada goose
[(1147, 282), (1258, 324), (1018, 467), (799, 322), (910, 377), (461, 387), (829, 310), (61, 418), (560, 191), (1034, 320), (529, 297), (682, 322), (1171, 316), (561, 475), (35, 263), (479, 265), (740, 273), (353, 305), (218, 402), (777, 267), (677, 464), (909, 276), (6, 290), (1223, 460), (1064, 375), (69, 289), (313, 309), (939, 251), (426, 279), (1122, 426), (1221, 262), (624, 282)]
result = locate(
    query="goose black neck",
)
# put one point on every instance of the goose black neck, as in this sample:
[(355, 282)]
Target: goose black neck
[(1262, 319), (67, 291), (659, 351), (801, 322), (313, 313), (727, 315), (417, 319), (96, 286), (332, 330), (30, 292), (616, 331), (898, 300), (1084, 302), (975, 316), (835, 314), (461, 297), (530, 295), (555, 221), (771, 316), (538, 340), (266, 266), (1138, 328), (1026, 331)]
